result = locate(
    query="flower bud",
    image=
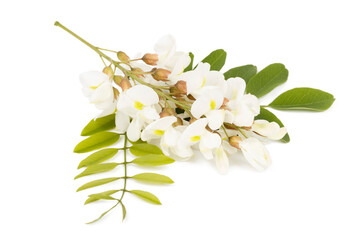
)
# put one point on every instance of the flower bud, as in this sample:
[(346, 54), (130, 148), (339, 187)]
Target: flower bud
[(161, 74), (108, 71), (117, 79), (125, 84), (174, 92), (138, 72), (192, 120), (167, 112), (223, 106), (116, 93), (122, 56), (178, 122), (181, 87), (191, 97), (234, 141), (150, 59)]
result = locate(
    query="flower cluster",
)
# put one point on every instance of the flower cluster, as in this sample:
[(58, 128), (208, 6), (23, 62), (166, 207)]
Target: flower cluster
[(158, 99)]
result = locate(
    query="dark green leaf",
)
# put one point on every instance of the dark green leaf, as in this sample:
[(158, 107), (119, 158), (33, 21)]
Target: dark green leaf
[(144, 149), (309, 99), (149, 197), (97, 168), (99, 125), (267, 79), (245, 72), (152, 178), (103, 195), (96, 141), (216, 59), (269, 116), (153, 160), (98, 157), (96, 183), (190, 66)]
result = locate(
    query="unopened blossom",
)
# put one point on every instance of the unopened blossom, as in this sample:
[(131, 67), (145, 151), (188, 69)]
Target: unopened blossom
[(137, 103), (201, 79), (244, 107), (98, 88), (270, 130)]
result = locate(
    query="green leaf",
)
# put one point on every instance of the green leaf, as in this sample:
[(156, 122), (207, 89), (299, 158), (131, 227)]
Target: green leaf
[(99, 125), (245, 72), (190, 66), (148, 197), (267, 79), (96, 141), (269, 116), (103, 195), (153, 160), (123, 210), (96, 183), (152, 178), (98, 157), (97, 168), (216, 59), (309, 99), (142, 149)]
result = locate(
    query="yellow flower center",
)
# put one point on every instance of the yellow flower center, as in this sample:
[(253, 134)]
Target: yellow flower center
[(195, 138), (204, 80), (138, 105), (212, 104), (159, 132)]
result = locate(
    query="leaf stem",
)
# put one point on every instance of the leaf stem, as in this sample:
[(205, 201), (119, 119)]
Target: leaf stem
[(125, 170)]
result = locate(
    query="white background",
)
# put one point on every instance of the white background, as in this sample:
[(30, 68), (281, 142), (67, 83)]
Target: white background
[(310, 192)]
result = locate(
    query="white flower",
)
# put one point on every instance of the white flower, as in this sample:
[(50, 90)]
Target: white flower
[(222, 160), (197, 133), (170, 59), (255, 153), (138, 102), (162, 129), (269, 130), (244, 107), (98, 88), (209, 104), (201, 78)]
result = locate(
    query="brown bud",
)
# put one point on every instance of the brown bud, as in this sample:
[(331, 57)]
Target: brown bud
[(117, 79), (174, 92), (181, 87), (125, 84), (122, 56), (150, 59), (108, 71), (116, 93), (191, 97), (223, 106), (229, 126), (192, 120), (234, 141), (167, 112), (138, 72), (161, 74), (178, 122)]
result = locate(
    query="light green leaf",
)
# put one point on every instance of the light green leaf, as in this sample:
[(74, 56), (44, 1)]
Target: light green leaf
[(216, 59), (96, 183), (96, 141), (97, 168), (153, 160), (103, 195), (269, 116), (190, 66), (309, 99), (99, 125), (98, 157), (123, 210), (267, 79), (149, 197), (152, 178), (142, 149), (245, 72)]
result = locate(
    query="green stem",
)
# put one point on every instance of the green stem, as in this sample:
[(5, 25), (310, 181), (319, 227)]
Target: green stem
[(125, 170), (125, 71)]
